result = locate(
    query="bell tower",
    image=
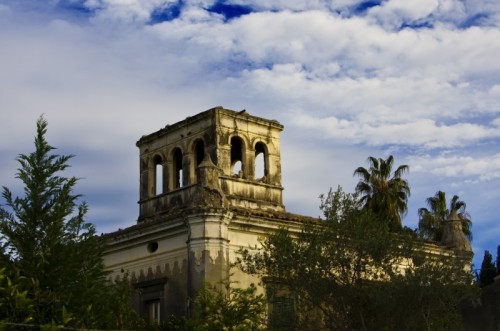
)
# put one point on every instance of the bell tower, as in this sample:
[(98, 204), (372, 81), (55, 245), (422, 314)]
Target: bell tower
[(241, 152)]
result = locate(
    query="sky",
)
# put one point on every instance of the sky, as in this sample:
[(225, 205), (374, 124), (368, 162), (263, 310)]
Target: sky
[(348, 79)]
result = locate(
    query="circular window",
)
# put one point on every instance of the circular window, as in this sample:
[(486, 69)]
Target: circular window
[(152, 247)]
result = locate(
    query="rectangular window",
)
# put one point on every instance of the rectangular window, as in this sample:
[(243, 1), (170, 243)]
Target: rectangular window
[(282, 313), (281, 307), (154, 312)]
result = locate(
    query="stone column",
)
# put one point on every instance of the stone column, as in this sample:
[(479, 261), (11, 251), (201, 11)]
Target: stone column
[(207, 220), (208, 247)]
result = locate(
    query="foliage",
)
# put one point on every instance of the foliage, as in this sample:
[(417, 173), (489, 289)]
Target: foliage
[(14, 300), (384, 195), (426, 297), (345, 272), (487, 272), (227, 307), (54, 259), (222, 306), (432, 220), (114, 307)]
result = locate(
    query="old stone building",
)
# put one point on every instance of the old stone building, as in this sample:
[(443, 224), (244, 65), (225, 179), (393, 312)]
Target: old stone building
[(209, 185)]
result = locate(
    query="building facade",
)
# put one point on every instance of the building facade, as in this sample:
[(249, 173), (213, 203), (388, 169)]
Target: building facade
[(209, 185)]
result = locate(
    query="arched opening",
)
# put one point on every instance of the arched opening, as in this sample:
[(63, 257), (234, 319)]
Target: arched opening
[(237, 166), (199, 152), (260, 161), (158, 162), (177, 156)]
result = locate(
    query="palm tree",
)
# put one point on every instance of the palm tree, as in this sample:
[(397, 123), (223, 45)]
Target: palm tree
[(386, 196), (432, 220)]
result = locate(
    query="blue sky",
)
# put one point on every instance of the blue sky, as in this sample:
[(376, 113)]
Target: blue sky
[(418, 79)]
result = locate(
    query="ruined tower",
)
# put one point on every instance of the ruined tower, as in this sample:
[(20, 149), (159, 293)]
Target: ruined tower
[(241, 150)]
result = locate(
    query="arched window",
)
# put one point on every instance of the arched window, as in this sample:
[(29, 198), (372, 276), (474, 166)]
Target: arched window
[(236, 156), (158, 163), (260, 161), (199, 152), (177, 156)]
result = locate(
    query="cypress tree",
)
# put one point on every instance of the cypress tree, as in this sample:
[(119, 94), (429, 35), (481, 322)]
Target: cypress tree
[(487, 272)]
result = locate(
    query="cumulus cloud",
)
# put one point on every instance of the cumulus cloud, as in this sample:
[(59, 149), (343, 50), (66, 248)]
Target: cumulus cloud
[(395, 13), (126, 11), (472, 168), (419, 132), (348, 79), (347, 62)]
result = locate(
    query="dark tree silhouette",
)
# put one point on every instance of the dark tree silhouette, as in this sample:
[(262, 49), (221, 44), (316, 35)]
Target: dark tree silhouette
[(487, 272)]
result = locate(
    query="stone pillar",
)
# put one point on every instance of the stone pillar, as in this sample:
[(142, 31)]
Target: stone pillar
[(151, 178), (144, 189), (169, 175), (207, 221), (208, 247)]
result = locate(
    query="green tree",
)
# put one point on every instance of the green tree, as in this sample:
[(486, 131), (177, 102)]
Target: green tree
[(222, 306), (427, 296), (58, 255), (386, 196), (487, 272), (432, 220), (345, 272), (115, 307), (226, 306)]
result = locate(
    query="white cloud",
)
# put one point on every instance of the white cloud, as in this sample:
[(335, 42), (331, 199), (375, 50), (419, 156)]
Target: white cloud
[(314, 38), (394, 13), (419, 132), (473, 169), (126, 11), (343, 85), (332, 56), (326, 167)]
